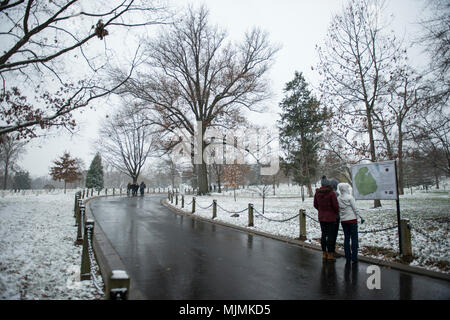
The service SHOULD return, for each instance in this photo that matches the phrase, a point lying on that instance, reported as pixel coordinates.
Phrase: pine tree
(22, 180)
(302, 119)
(66, 169)
(94, 177)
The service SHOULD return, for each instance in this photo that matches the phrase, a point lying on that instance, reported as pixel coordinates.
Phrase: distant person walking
(326, 203)
(142, 188)
(128, 188)
(135, 188)
(334, 184)
(348, 213)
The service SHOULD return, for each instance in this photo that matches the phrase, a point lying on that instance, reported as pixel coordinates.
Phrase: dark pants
(328, 239)
(142, 191)
(350, 234)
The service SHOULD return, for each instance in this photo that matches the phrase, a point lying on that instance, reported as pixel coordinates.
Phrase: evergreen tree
(94, 177)
(22, 180)
(301, 124)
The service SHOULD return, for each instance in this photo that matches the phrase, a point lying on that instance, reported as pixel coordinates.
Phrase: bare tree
(194, 76)
(407, 95)
(431, 134)
(37, 39)
(126, 142)
(355, 65)
(10, 150)
(436, 40)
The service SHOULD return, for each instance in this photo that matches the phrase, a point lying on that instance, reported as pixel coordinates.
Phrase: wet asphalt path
(175, 257)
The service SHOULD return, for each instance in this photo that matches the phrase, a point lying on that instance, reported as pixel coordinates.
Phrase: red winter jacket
(325, 201)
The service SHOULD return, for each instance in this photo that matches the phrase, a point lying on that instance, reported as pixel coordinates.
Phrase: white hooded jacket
(347, 204)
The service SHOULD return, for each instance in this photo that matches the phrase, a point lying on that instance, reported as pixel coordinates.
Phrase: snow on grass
(38, 258)
(428, 213)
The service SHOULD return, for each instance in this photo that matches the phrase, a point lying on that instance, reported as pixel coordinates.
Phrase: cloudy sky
(296, 25)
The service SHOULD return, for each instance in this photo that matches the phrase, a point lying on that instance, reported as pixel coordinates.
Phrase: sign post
(377, 181)
(398, 211)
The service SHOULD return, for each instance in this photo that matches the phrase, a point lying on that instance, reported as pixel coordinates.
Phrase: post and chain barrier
(118, 283)
(89, 262)
(302, 215)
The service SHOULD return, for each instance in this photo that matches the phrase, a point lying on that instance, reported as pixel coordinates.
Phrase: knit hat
(324, 181)
(333, 183)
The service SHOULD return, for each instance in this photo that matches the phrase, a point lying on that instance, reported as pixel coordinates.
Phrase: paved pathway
(175, 257)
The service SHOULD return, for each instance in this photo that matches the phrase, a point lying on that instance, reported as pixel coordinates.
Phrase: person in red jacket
(326, 202)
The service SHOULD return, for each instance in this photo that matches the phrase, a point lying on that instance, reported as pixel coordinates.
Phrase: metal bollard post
(302, 218)
(182, 201)
(250, 215)
(85, 272)
(214, 209)
(118, 285)
(406, 240)
(80, 203)
(82, 215)
(193, 205)
(75, 208)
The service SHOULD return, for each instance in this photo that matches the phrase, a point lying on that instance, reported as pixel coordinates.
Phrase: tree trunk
(436, 176)
(310, 192)
(5, 178)
(401, 183)
(376, 203)
(264, 198)
(202, 178)
(65, 184)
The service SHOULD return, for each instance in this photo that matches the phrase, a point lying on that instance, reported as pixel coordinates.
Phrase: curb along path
(388, 264)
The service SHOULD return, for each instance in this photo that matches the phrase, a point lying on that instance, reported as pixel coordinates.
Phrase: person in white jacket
(348, 213)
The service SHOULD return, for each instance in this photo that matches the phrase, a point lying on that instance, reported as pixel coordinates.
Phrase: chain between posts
(421, 232)
(227, 211)
(313, 219)
(204, 208)
(89, 229)
(276, 220)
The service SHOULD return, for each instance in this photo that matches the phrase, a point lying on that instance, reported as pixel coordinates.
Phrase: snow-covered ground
(428, 212)
(38, 258)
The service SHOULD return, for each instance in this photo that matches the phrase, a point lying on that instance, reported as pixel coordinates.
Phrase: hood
(344, 189)
(324, 189)
(345, 193)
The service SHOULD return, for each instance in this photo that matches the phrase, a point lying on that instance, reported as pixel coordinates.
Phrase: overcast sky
(296, 25)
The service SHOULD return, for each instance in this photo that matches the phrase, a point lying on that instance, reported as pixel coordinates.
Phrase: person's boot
(324, 255)
(330, 257)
